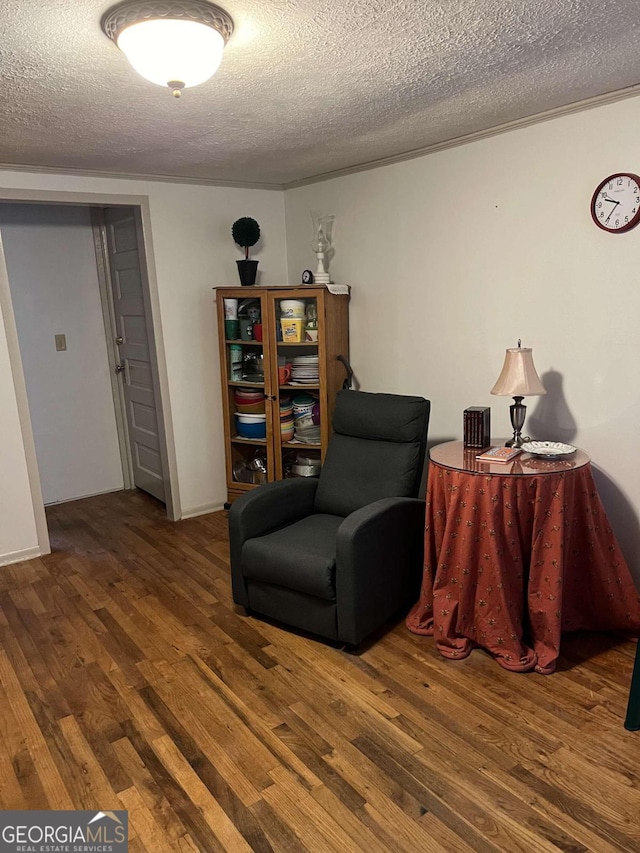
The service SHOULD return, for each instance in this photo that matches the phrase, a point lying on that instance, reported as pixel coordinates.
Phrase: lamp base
(518, 413)
(517, 441)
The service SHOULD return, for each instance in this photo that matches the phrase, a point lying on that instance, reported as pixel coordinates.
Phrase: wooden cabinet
(252, 365)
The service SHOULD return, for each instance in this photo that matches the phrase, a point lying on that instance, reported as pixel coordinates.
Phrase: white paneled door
(133, 345)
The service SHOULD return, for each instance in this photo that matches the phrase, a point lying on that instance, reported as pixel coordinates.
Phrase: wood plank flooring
(129, 681)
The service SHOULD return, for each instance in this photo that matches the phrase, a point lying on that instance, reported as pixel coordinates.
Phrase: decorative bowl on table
(548, 449)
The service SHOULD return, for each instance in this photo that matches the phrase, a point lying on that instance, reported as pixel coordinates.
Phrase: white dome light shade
(175, 43)
(169, 51)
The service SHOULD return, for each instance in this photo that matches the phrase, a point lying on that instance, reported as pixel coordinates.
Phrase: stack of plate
(286, 418)
(306, 418)
(305, 369)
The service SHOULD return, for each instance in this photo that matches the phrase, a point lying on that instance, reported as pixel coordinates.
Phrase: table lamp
(518, 379)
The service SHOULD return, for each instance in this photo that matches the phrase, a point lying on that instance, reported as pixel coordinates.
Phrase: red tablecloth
(512, 561)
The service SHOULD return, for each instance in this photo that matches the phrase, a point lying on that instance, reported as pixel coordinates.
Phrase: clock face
(307, 277)
(615, 206)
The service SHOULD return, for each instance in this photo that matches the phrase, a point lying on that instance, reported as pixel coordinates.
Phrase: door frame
(152, 304)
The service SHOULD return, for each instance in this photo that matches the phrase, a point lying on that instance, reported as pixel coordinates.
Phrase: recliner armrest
(266, 508)
(387, 534)
(379, 519)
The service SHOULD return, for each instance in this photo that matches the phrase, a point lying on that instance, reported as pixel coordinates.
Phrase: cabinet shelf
(301, 387)
(302, 445)
(333, 341)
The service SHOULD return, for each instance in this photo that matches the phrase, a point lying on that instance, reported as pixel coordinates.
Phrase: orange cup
(284, 374)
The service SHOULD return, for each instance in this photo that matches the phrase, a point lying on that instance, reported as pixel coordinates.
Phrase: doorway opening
(96, 386)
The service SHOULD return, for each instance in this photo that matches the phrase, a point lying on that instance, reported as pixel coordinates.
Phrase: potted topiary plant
(246, 233)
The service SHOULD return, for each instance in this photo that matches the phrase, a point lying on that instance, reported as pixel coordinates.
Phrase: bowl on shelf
(286, 427)
(250, 408)
(247, 393)
(251, 429)
(303, 422)
(251, 418)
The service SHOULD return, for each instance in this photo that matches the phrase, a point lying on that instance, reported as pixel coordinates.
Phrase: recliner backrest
(376, 450)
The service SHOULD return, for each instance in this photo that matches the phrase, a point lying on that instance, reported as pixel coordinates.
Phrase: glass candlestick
(322, 226)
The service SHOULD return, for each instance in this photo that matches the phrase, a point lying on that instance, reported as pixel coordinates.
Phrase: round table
(515, 554)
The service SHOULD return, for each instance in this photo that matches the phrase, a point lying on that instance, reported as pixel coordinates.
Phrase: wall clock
(615, 205)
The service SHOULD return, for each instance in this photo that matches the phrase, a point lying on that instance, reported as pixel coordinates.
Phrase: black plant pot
(247, 271)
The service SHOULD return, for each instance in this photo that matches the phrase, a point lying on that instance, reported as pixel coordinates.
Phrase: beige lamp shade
(519, 377)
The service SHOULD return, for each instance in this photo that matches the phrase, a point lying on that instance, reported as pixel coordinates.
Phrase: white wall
(18, 535)
(52, 271)
(193, 252)
(454, 256)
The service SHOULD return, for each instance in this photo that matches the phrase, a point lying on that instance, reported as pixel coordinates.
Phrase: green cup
(232, 330)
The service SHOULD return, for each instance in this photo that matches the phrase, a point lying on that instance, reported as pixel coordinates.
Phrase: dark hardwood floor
(129, 681)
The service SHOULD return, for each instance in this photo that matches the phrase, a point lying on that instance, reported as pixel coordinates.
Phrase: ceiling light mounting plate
(116, 19)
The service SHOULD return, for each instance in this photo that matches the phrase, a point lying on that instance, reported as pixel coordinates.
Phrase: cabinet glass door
(247, 412)
(298, 332)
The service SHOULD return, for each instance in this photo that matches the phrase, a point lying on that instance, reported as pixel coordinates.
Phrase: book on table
(498, 454)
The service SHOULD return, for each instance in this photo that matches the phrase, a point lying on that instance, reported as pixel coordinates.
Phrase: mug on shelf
(246, 329)
(257, 331)
(284, 374)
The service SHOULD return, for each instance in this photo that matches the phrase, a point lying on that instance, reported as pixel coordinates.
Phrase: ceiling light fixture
(172, 44)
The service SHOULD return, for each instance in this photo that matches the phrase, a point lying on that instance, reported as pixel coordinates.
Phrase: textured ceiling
(305, 88)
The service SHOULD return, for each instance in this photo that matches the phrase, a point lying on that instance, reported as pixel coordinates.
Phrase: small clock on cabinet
(615, 205)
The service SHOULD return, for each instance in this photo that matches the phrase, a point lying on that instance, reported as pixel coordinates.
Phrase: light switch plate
(61, 343)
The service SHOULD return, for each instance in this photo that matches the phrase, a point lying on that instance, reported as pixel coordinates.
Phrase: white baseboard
(193, 511)
(19, 556)
(82, 497)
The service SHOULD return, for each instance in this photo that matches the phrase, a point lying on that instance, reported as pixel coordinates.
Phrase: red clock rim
(633, 222)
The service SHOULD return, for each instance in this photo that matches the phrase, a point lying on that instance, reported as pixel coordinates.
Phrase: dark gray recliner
(338, 555)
